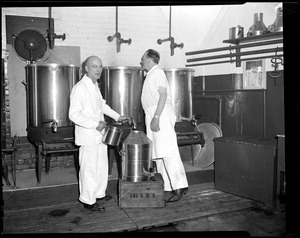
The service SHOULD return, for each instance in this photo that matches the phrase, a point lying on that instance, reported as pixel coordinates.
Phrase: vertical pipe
(116, 19)
(118, 38)
(264, 113)
(50, 30)
(242, 118)
(49, 16)
(170, 23)
(236, 114)
(219, 99)
(203, 85)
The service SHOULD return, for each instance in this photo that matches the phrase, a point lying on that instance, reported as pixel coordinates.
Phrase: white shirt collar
(154, 67)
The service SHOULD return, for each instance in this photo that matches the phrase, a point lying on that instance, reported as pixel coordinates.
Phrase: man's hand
(101, 126)
(124, 119)
(154, 124)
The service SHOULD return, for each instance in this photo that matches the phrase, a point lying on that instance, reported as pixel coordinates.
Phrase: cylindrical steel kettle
(136, 155)
(112, 135)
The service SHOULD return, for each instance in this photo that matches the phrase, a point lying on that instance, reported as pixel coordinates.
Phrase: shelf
(238, 56)
(267, 36)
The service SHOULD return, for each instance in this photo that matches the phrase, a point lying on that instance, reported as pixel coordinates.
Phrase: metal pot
(136, 157)
(112, 135)
(236, 32)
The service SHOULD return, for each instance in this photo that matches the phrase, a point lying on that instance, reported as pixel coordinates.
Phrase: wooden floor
(73, 218)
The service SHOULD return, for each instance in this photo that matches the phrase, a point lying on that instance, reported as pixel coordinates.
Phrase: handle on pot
(240, 32)
(132, 123)
(122, 152)
(104, 129)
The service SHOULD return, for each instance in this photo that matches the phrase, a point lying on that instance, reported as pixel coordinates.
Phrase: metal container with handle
(236, 32)
(136, 157)
(112, 135)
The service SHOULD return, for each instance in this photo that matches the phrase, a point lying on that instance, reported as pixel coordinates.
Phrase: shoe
(181, 191)
(94, 207)
(177, 194)
(106, 198)
(167, 195)
(174, 198)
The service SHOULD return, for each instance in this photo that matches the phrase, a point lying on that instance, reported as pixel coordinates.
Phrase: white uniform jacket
(87, 108)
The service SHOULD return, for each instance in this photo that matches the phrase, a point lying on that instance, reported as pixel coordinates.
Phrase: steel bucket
(112, 135)
(136, 157)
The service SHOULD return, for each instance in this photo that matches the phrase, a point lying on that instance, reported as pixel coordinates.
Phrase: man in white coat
(87, 109)
(160, 121)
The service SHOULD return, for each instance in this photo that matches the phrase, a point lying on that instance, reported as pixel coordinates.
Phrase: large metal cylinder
(136, 157)
(180, 81)
(48, 93)
(122, 87)
(48, 89)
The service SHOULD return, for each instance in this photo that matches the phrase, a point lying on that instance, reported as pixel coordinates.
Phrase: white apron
(165, 146)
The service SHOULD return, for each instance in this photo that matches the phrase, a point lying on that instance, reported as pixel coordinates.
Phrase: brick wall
(26, 156)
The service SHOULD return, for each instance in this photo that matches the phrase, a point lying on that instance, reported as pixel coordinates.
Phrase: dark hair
(154, 55)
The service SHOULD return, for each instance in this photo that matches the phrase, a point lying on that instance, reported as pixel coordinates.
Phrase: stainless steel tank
(180, 81)
(136, 157)
(122, 87)
(48, 89)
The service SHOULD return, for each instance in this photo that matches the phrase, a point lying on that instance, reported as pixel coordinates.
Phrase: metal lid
(50, 65)
(137, 138)
(122, 67)
(178, 69)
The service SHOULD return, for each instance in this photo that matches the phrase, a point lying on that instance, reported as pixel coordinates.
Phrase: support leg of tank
(40, 161)
(47, 158)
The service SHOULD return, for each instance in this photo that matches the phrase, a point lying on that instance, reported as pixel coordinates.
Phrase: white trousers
(164, 145)
(173, 173)
(93, 172)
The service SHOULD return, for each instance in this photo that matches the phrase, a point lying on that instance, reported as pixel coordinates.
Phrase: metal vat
(48, 89)
(122, 87)
(180, 81)
(136, 157)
